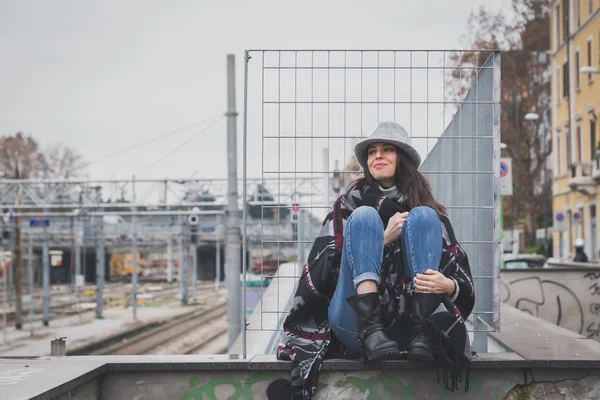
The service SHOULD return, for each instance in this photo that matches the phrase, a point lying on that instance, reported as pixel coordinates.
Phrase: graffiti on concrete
(372, 388)
(235, 389)
(593, 327)
(568, 299)
(546, 299)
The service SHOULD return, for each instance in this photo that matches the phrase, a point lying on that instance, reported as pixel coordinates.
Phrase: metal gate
(303, 112)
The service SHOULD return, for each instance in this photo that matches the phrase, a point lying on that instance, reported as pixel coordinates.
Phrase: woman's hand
(433, 282)
(394, 228)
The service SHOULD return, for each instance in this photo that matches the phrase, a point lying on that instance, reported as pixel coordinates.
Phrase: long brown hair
(410, 182)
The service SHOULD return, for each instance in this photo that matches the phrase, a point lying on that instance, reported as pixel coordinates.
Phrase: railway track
(64, 305)
(169, 338)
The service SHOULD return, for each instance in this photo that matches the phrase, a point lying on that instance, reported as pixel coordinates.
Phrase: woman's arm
(458, 270)
(455, 265)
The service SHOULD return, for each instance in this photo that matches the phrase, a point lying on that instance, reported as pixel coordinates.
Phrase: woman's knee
(365, 215)
(423, 215)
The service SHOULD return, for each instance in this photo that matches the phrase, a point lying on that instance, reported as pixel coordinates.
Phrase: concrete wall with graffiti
(569, 298)
(489, 384)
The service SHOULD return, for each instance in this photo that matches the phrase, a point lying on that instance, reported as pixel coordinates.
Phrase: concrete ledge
(54, 377)
(541, 354)
(483, 361)
(545, 345)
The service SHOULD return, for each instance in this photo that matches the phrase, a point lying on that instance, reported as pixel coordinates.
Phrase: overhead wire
(145, 142)
(206, 128)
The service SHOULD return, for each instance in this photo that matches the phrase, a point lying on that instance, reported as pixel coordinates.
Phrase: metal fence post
(30, 281)
(186, 274)
(134, 266)
(233, 248)
(181, 257)
(170, 261)
(100, 269)
(195, 271)
(218, 255)
(46, 277)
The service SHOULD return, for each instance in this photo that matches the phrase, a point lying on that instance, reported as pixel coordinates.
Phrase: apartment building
(575, 48)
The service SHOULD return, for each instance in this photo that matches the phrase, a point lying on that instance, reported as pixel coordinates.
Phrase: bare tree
(20, 157)
(62, 162)
(525, 84)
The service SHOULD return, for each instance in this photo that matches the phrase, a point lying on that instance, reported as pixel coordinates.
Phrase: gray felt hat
(387, 132)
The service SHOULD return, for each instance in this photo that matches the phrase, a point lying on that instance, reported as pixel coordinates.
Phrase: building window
(593, 144)
(590, 7)
(580, 227)
(557, 94)
(558, 154)
(557, 24)
(578, 12)
(577, 73)
(570, 239)
(565, 79)
(578, 142)
(589, 58)
(565, 19)
(568, 139)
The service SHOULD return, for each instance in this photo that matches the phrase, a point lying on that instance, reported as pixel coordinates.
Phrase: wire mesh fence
(305, 110)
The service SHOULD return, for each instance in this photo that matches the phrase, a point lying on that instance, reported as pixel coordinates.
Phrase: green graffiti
(243, 390)
(209, 389)
(385, 383)
(377, 388)
(358, 382)
(255, 379)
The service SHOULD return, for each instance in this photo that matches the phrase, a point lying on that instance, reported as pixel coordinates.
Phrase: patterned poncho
(308, 336)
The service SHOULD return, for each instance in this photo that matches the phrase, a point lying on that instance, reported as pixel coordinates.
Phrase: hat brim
(360, 151)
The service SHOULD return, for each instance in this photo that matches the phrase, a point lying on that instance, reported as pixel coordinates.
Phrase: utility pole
(218, 255)
(46, 277)
(30, 279)
(77, 234)
(233, 239)
(169, 260)
(134, 275)
(181, 258)
(18, 276)
(100, 269)
(18, 271)
(46, 264)
(185, 269)
(195, 271)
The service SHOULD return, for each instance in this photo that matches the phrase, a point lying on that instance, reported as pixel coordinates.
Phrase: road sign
(506, 183)
(34, 223)
(79, 280)
(577, 217)
(560, 222)
(207, 229)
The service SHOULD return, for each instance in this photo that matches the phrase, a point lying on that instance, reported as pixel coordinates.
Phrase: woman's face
(382, 163)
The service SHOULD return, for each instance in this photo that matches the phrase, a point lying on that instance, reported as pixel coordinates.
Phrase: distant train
(121, 265)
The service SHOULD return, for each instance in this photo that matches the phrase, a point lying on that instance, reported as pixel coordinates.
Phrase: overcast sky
(100, 76)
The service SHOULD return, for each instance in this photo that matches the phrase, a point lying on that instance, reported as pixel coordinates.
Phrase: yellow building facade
(575, 160)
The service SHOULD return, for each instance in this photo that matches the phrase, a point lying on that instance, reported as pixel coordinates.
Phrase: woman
(385, 274)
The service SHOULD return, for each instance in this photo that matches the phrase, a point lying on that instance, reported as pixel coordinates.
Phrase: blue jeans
(362, 255)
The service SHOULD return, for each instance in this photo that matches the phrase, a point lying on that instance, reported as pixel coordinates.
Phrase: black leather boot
(374, 342)
(422, 345)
